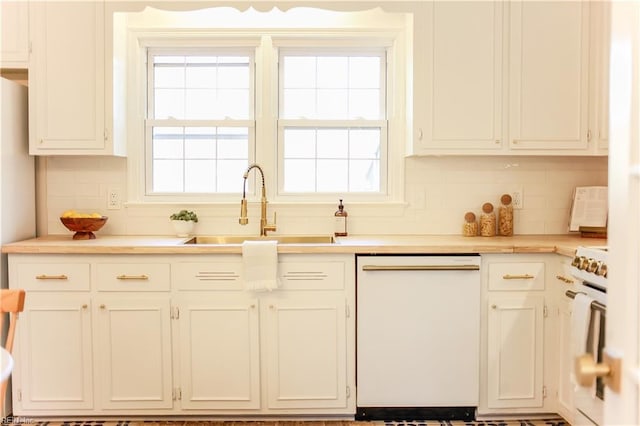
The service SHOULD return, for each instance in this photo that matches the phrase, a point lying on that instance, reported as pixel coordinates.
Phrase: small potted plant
(183, 222)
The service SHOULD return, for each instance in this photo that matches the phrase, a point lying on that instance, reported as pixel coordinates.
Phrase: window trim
(398, 102)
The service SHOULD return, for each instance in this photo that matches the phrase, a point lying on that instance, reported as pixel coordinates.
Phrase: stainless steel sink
(281, 239)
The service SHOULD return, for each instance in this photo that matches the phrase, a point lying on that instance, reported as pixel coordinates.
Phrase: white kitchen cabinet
(219, 351)
(463, 57)
(601, 29)
(291, 350)
(66, 79)
(133, 341)
(53, 353)
(14, 34)
(515, 351)
(306, 350)
(549, 75)
(53, 349)
(516, 372)
(510, 78)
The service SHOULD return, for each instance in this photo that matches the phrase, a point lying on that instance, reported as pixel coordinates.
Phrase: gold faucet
(264, 226)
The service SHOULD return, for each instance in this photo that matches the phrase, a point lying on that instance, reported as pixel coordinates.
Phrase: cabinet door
(601, 23)
(53, 354)
(134, 351)
(305, 339)
(515, 351)
(549, 79)
(219, 351)
(66, 78)
(565, 387)
(463, 93)
(14, 34)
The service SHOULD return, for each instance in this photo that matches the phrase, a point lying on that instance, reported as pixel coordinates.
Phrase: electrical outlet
(113, 199)
(517, 198)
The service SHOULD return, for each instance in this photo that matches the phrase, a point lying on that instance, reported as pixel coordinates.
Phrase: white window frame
(265, 150)
(329, 47)
(150, 123)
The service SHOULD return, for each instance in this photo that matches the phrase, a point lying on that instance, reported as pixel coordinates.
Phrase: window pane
(167, 175)
(299, 143)
(299, 103)
(200, 142)
(364, 72)
(364, 103)
(200, 176)
(300, 175)
(332, 103)
(202, 87)
(200, 104)
(204, 159)
(333, 72)
(299, 72)
(333, 175)
(233, 143)
(169, 103)
(230, 175)
(333, 143)
(364, 175)
(364, 143)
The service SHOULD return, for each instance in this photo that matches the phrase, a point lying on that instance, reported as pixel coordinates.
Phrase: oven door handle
(594, 305)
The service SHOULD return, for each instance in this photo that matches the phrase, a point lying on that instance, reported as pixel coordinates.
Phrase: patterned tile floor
(555, 421)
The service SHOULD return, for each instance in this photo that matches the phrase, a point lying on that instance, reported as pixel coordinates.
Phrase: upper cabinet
(67, 80)
(463, 66)
(549, 75)
(14, 34)
(510, 78)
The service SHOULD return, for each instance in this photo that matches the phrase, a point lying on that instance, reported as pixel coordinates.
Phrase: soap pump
(340, 226)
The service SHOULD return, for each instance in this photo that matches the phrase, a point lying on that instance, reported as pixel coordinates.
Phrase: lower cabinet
(287, 351)
(157, 335)
(516, 367)
(515, 351)
(53, 351)
(133, 342)
(219, 348)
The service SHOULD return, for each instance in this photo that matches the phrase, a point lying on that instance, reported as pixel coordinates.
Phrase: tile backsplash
(438, 192)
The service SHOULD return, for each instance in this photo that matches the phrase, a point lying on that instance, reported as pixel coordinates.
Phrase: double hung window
(199, 128)
(332, 120)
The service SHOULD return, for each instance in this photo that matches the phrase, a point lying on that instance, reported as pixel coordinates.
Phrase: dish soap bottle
(340, 227)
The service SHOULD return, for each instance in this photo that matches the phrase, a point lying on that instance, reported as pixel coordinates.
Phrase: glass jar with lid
(505, 216)
(487, 221)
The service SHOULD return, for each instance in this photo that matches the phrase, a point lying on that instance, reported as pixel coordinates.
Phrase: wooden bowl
(84, 227)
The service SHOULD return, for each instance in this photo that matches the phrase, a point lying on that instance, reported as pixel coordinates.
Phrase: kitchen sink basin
(281, 239)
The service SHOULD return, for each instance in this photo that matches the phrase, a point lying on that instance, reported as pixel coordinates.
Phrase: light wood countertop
(424, 244)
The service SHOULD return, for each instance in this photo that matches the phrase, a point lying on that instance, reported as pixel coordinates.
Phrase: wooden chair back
(11, 302)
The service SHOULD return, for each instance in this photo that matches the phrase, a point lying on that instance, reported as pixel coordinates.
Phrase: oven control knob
(576, 261)
(584, 262)
(602, 270)
(593, 266)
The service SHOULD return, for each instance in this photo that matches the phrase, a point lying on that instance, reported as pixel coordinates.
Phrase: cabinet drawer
(207, 276)
(53, 276)
(516, 276)
(133, 276)
(311, 275)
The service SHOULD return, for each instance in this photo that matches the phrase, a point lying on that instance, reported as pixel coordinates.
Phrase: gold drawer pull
(132, 277)
(518, 277)
(51, 277)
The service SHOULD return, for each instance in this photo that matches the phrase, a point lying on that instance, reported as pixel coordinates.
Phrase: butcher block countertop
(422, 244)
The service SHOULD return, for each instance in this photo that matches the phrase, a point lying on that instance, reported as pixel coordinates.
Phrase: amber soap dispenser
(340, 227)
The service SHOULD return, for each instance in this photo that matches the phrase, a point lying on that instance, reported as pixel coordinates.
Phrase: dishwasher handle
(420, 267)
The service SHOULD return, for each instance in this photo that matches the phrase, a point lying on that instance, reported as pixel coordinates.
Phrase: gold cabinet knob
(586, 370)
(102, 306)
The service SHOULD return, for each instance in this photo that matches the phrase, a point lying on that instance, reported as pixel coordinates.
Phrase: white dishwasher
(418, 337)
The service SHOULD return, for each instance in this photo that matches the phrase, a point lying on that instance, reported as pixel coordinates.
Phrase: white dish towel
(580, 321)
(260, 265)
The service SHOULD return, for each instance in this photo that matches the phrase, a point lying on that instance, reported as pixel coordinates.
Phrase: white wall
(438, 191)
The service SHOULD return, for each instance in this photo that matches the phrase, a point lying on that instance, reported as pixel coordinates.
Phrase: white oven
(589, 267)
